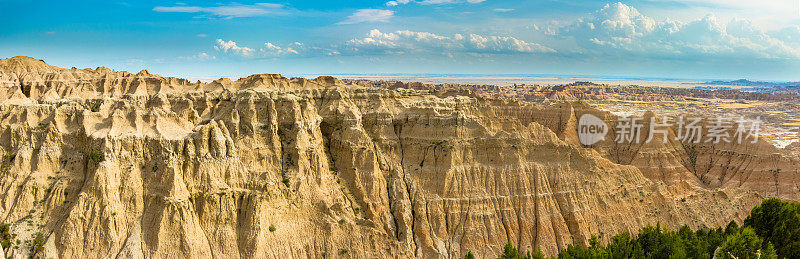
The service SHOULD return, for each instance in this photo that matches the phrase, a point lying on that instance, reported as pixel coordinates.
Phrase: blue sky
(713, 39)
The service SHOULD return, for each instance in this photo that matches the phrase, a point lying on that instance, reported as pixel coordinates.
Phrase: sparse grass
(38, 243)
(343, 251)
(96, 157)
(5, 236)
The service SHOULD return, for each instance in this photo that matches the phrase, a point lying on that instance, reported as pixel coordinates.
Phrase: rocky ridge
(100, 163)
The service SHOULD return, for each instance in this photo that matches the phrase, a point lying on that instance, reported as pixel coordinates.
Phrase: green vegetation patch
(5, 236)
(96, 157)
(771, 231)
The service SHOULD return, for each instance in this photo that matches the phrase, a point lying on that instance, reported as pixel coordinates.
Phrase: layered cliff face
(98, 163)
(760, 166)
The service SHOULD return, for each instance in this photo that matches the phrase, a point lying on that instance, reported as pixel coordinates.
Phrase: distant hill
(756, 86)
(745, 82)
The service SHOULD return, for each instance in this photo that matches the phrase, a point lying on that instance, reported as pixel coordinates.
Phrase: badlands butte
(98, 163)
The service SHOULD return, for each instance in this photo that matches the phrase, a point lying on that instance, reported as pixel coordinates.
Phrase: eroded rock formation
(759, 166)
(101, 164)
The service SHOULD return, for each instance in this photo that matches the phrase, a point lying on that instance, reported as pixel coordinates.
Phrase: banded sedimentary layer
(99, 163)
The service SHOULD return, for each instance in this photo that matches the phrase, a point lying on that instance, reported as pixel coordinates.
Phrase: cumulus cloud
(405, 41)
(273, 50)
(232, 48)
(268, 50)
(368, 15)
(226, 11)
(790, 35)
(621, 29)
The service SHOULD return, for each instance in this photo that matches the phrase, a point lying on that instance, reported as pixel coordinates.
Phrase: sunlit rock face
(99, 164)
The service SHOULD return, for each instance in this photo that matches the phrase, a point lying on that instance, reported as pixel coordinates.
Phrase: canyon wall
(98, 163)
(759, 166)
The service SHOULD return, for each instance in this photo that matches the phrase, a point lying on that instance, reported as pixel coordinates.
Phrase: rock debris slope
(98, 163)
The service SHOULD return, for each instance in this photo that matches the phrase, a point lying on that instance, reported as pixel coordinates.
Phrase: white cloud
(270, 5)
(267, 50)
(621, 29)
(503, 10)
(432, 2)
(231, 48)
(273, 50)
(398, 2)
(405, 41)
(790, 35)
(202, 56)
(227, 11)
(781, 9)
(178, 9)
(368, 15)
